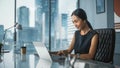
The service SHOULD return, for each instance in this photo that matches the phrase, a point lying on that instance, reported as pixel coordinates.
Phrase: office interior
(49, 21)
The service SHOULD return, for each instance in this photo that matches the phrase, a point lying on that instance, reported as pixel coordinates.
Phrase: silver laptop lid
(42, 51)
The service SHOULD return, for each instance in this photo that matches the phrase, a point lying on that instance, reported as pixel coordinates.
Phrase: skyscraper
(64, 24)
(39, 18)
(23, 16)
(1, 32)
(42, 20)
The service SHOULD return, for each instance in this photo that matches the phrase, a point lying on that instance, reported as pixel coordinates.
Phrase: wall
(86, 5)
(117, 20)
(117, 47)
(101, 20)
(97, 20)
(110, 13)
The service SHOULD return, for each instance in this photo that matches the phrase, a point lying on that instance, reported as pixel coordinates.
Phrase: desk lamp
(15, 26)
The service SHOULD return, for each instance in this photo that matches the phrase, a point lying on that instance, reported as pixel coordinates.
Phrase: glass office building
(1, 32)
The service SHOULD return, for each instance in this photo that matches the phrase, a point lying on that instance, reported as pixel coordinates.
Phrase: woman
(85, 39)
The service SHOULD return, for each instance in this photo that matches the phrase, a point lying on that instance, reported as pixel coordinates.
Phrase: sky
(6, 13)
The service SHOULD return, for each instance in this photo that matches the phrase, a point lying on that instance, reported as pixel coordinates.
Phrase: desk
(30, 60)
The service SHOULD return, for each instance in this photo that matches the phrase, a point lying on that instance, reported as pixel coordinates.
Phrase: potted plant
(1, 47)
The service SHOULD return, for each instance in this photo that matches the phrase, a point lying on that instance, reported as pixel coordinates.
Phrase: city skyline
(35, 19)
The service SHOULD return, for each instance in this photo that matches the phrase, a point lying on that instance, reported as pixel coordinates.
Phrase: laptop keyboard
(57, 58)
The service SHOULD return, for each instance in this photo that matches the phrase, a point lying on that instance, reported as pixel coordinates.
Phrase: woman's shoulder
(93, 32)
(77, 31)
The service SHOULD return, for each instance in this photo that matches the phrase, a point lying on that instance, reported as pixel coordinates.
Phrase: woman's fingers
(60, 52)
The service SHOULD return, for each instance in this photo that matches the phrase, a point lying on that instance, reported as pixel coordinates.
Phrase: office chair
(105, 48)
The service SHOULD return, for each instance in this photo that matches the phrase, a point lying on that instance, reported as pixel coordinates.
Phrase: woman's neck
(85, 30)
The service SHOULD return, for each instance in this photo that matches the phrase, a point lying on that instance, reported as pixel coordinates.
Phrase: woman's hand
(61, 52)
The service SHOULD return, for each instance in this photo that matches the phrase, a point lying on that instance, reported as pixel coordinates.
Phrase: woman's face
(79, 23)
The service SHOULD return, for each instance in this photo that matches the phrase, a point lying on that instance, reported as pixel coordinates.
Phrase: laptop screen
(42, 51)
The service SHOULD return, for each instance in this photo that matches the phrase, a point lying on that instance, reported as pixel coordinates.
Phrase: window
(47, 21)
(61, 25)
(6, 19)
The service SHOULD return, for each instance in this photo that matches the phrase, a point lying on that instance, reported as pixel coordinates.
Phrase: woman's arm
(69, 50)
(92, 49)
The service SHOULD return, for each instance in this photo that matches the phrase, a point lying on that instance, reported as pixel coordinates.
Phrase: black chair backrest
(105, 48)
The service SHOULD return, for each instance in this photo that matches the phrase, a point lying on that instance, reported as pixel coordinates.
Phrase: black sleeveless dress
(83, 42)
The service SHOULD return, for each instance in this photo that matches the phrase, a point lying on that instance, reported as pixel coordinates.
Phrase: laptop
(45, 59)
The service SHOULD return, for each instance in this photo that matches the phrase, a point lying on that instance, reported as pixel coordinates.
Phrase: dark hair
(81, 14)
